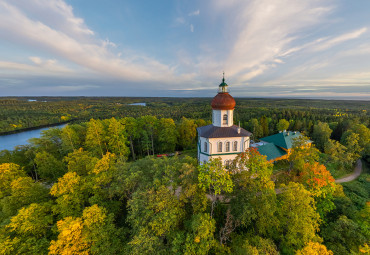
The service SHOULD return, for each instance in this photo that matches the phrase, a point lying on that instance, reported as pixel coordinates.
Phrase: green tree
(187, 131)
(8, 173)
(321, 134)
(255, 128)
(214, 179)
(93, 233)
(24, 191)
(253, 201)
(283, 124)
(95, 138)
(153, 215)
(265, 125)
(80, 161)
(71, 192)
(167, 135)
(28, 231)
(48, 167)
(297, 215)
(116, 138)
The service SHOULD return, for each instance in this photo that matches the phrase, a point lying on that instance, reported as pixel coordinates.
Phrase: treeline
(18, 113)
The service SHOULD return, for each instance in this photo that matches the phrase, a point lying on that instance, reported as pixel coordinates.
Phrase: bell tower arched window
(219, 147)
(225, 120)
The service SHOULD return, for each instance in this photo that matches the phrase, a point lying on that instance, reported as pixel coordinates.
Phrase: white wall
(217, 118)
(243, 144)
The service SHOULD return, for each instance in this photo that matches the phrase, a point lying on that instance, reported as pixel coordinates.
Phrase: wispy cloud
(191, 28)
(340, 39)
(194, 13)
(59, 32)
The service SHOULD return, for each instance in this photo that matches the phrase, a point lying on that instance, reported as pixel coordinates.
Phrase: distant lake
(8, 142)
(141, 104)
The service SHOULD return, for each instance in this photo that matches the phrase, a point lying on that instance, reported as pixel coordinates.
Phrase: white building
(222, 139)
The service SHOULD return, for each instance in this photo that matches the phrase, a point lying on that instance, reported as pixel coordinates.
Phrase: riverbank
(35, 128)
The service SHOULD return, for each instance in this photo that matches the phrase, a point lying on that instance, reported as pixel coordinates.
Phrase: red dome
(223, 101)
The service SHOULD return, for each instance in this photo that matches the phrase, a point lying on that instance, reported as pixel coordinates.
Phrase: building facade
(222, 139)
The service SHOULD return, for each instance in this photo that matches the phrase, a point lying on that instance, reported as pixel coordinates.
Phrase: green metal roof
(271, 151)
(283, 139)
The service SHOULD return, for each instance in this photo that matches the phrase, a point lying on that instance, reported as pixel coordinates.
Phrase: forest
(96, 186)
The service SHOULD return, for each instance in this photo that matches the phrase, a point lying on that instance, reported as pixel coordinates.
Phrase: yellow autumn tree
(314, 248)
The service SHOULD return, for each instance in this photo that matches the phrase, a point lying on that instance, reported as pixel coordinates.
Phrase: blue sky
(267, 48)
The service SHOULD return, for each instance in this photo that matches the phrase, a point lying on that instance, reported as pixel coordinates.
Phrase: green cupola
(222, 88)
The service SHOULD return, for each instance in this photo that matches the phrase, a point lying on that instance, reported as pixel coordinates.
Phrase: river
(8, 142)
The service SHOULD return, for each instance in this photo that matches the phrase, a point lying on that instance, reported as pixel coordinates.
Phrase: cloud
(60, 33)
(340, 39)
(191, 28)
(194, 13)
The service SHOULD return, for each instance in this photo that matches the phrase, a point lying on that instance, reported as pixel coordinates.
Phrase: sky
(180, 48)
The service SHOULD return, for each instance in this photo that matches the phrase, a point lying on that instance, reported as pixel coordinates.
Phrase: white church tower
(222, 139)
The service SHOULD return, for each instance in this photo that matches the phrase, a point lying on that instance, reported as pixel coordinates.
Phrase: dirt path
(356, 173)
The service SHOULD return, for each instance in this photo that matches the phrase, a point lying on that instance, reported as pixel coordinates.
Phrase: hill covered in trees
(95, 187)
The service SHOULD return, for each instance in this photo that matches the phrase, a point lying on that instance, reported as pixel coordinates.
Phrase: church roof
(283, 139)
(223, 101)
(211, 131)
(271, 151)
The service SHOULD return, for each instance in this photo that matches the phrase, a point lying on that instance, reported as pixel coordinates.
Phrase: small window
(219, 147)
(205, 147)
(225, 119)
(227, 146)
(235, 147)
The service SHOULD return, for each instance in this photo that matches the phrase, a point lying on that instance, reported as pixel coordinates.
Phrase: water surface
(8, 142)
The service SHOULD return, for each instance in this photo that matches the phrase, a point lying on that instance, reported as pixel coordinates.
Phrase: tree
(153, 215)
(187, 131)
(70, 139)
(80, 161)
(116, 138)
(93, 233)
(200, 238)
(321, 184)
(265, 125)
(353, 147)
(314, 248)
(343, 236)
(24, 191)
(302, 152)
(283, 124)
(298, 218)
(131, 128)
(255, 128)
(8, 173)
(338, 154)
(167, 135)
(253, 201)
(214, 179)
(71, 192)
(95, 136)
(28, 231)
(321, 134)
(48, 167)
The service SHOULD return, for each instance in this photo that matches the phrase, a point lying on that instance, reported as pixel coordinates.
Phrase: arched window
(205, 147)
(235, 147)
(219, 147)
(227, 146)
(225, 119)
